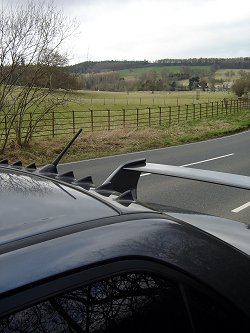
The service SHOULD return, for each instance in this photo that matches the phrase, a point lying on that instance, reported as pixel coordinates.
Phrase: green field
(100, 100)
(101, 111)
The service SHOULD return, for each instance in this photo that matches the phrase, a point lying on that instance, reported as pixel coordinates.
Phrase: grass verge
(108, 143)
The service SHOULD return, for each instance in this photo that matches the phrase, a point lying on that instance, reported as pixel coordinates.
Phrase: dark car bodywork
(57, 232)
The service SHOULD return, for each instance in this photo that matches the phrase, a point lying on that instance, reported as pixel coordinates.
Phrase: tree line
(102, 66)
(224, 63)
(115, 65)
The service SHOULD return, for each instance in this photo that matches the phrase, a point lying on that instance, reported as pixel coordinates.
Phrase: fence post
(53, 124)
(187, 112)
(217, 108)
(179, 110)
(73, 118)
(92, 120)
(123, 117)
(212, 109)
(226, 102)
(194, 112)
(200, 111)
(108, 120)
(149, 117)
(137, 118)
(169, 114)
(159, 115)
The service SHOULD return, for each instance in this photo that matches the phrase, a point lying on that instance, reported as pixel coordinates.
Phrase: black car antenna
(52, 167)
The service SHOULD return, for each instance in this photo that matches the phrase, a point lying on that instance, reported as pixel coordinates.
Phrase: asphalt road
(227, 154)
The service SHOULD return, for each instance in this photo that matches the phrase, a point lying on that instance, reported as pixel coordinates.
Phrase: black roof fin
(69, 176)
(105, 186)
(85, 182)
(17, 163)
(5, 161)
(31, 167)
(52, 168)
(126, 198)
(122, 180)
(105, 189)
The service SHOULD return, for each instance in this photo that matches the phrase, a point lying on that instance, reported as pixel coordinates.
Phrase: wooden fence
(68, 122)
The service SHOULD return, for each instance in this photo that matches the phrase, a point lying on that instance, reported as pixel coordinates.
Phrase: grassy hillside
(229, 74)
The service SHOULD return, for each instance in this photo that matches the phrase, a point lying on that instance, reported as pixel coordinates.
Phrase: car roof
(32, 204)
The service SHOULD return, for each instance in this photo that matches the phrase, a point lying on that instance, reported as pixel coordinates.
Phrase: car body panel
(232, 232)
(185, 248)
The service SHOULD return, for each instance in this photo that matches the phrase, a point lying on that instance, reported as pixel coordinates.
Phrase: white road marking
(210, 159)
(159, 149)
(238, 209)
(199, 162)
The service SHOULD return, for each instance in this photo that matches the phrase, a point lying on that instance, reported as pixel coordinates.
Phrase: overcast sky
(157, 29)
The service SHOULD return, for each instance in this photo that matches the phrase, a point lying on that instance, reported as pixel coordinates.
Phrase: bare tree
(31, 38)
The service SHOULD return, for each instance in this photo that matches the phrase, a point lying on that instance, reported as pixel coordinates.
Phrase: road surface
(227, 154)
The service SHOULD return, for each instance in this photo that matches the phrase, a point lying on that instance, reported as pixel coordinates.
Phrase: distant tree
(30, 39)
(147, 81)
(241, 86)
(173, 86)
(110, 81)
(203, 85)
(194, 83)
